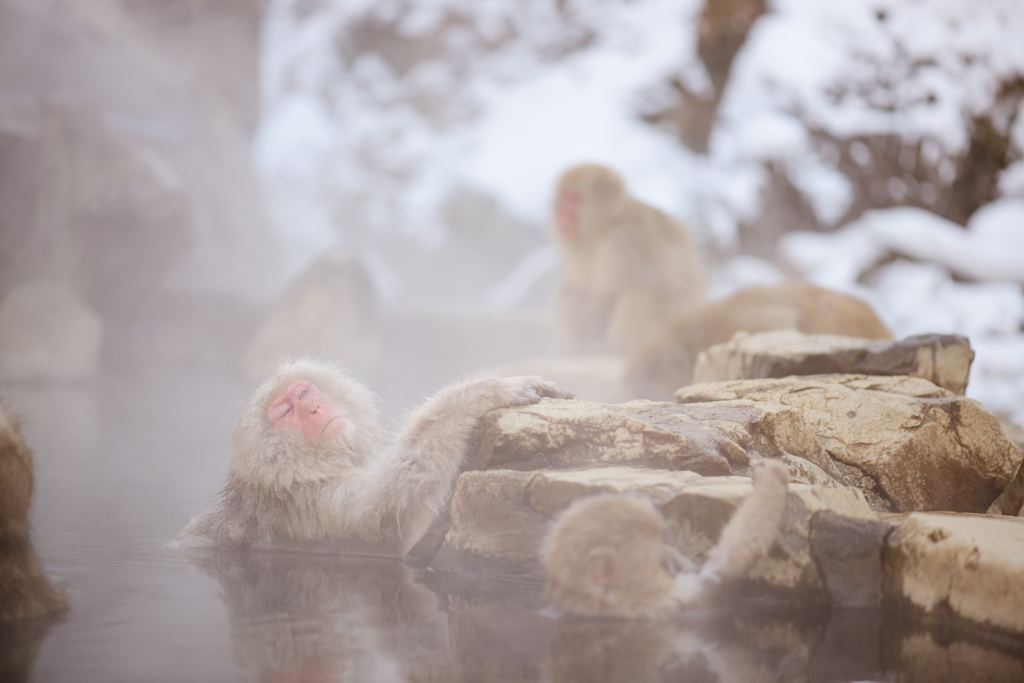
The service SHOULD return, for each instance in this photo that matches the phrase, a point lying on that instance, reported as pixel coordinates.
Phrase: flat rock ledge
(908, 444)
(711, 439)
(943, 359)
(948, 569)
(499, 519)
(959, 567)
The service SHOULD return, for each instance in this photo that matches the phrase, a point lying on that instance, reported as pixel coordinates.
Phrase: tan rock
(707, 439)
(943, 359)
(1011, 500)
(805, 472)
(499, 518)
(969, 565)
(908, 444)
(848, 552)
(1014, 433)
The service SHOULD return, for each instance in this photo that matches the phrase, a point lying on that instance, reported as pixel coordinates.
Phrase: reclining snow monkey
(309, 470)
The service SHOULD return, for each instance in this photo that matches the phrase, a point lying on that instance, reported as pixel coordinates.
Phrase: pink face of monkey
(569, 202)
(304, 407)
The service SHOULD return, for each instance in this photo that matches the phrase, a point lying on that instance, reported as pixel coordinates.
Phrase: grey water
(122, 463)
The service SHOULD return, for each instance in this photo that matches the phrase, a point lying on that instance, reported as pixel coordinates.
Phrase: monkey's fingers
(521, 391)
(545, 389)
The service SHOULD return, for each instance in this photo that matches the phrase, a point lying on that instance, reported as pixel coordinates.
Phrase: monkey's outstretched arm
(754, 527)
(415, 478)
(747, 536)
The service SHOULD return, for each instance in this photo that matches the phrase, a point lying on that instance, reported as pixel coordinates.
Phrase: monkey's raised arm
(415, 478)
(754, 527)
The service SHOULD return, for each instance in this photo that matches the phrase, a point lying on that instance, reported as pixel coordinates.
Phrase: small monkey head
(307, 422)
(588, 198)
(607, 556)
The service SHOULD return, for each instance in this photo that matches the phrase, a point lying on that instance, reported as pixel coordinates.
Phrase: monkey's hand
(523, 390)
(770, 475)
(754, 527)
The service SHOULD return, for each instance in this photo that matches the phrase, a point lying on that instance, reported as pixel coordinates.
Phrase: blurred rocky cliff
(125, 176)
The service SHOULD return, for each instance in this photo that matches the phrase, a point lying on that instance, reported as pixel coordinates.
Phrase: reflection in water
(926, 658)
(695, 648)
(299, 618)
(607, 650)
(311, 618)
(19, 645)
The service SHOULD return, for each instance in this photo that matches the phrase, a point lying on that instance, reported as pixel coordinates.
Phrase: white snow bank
(991, 248)
(918, 70)
(496, 115)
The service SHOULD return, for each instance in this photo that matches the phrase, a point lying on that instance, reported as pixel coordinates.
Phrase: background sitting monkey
(25, 592)
(625, 269)
(665, 363)
(607, 555)
(308, 470)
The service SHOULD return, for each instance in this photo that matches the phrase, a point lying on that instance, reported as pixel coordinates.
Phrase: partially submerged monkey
(25, 592)
(625, 267)
(607, 555)
(309, 470)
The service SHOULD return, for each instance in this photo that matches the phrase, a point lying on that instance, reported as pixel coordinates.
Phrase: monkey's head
(309, 421)
(607, 556)
(587, 200)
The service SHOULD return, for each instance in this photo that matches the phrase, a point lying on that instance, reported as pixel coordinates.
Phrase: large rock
(944, 359)
(959, 567)
(499, 519)
(46, 333)
(127, 176)
(707, 439)
(908, 444)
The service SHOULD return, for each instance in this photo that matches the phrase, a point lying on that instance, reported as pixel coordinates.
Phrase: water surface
(123, 463)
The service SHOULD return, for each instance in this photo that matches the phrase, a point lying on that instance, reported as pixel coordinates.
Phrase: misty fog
(193, 191)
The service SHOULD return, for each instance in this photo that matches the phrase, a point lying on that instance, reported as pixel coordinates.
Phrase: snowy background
(890, 133)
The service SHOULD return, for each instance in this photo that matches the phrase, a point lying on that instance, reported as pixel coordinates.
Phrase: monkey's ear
(604, 565)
